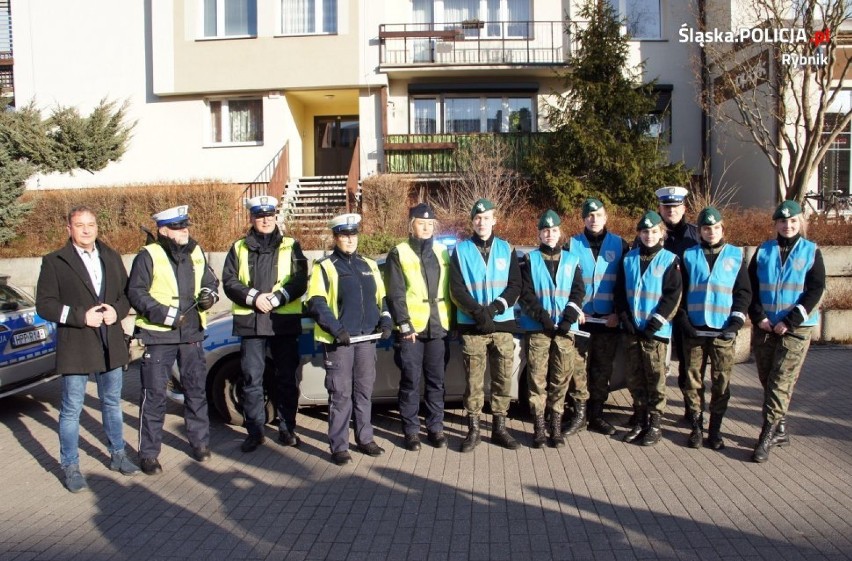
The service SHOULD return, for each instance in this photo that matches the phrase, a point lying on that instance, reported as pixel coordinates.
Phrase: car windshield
(11, 299)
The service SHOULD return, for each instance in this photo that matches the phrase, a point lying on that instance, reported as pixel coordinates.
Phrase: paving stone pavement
(597, 498)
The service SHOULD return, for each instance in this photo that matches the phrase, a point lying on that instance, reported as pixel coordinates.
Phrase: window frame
(439, 19)
(225, 122)
(221, 22)
(840, 148)
(621, 10)
(319, 12)
(484, 116)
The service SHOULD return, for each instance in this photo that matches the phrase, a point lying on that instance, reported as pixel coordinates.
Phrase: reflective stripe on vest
(416, 291)
(485, 282)
(553, 297)
(710, 294)
(782, 286)
(164, 286)
(285, 251)
(317, 287)
(598, 274)
(644, 290)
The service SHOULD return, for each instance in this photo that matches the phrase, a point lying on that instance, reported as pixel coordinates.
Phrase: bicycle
(829, 200)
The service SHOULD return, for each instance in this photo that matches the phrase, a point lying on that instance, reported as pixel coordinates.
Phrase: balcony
(437, 154)
(473, 43)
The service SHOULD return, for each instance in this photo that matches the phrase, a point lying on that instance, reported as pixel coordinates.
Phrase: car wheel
(226, 392)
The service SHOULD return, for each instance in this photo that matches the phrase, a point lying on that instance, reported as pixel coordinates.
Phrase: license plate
(29, 337)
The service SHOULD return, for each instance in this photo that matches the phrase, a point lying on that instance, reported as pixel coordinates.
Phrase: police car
(224, 376)
(27, 342)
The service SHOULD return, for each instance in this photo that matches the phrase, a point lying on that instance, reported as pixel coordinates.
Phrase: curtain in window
(329, 16)
(643, 19)
(518, 11)
(460, 10)
(425, 116)
(246, 120)
(462, 115)
(216, 121)
(494, 114)
(240, 17)
(298, 17)
(210, 29)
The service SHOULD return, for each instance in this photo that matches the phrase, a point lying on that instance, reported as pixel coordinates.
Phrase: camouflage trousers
(721, 359)
(599, 363)
(779, 362)
(557, 356)
(476, 351)
(645, 361)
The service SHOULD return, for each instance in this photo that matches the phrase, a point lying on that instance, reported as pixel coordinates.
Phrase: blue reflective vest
(644, 290)
(485, 282)
(552, 297)
(782, 286)
(710, 294)
(598, 274)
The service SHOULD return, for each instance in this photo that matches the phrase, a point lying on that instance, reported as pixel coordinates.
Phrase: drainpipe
(706, 164)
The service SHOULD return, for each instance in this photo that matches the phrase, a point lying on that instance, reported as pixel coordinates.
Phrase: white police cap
(345, 223)
(262, 204)
(671, 195)
(175, 216)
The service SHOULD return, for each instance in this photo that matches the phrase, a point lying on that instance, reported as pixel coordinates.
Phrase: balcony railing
(437, 154)
(473, 42)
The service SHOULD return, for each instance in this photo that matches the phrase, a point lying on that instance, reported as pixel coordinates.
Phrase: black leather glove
(565, 328)
(734, 324)
(495, 308)
(794, 319)
(651, 327)
(386, 333)
(728, 335)
(206, 298)
(343, 338)
(547, 324)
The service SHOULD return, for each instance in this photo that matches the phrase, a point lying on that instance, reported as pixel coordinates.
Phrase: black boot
(539, 431)
(500, 436)
(764, 443)
(473, 437)
(714, 436)
(654, 433)
(596, 421)
(556, 439)
(578, 420)
(637, 430)
(782, 437)
(695, 437)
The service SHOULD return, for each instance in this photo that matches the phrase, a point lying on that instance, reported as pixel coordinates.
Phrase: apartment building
(281, 90)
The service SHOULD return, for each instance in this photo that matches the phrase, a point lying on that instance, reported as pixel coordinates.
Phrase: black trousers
(285, 387)
(424, 359)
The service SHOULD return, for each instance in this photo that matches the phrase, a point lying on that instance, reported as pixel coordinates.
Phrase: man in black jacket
(171, 287)
(81, 288)
(265, 276)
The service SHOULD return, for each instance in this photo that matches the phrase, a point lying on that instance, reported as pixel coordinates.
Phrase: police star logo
(785, 212)
(672, 191)
(182, 210)
(426, 214)
(729, 264)
(798, 264)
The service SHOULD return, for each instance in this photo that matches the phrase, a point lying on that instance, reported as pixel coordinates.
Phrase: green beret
(709, 216)
(548, 220)
(480, 206)
(591, 205)
(649, 220)
(786, 210)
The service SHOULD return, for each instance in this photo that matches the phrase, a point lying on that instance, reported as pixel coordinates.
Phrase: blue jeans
(73, 393)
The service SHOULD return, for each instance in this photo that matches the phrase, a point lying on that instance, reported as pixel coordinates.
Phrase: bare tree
(483, 173)
(778, 78)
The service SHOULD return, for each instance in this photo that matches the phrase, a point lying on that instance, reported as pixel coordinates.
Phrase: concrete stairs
(310, 202)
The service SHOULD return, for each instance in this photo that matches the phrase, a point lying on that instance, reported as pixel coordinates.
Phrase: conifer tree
(599, 144)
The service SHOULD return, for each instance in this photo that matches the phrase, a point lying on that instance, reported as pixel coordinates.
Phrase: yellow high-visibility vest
(164, 286)
(317, 287)
(285, 251)
(417, 293)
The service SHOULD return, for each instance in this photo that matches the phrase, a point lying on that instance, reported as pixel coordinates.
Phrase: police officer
(346, 298)
(418, 295)
(787, 281)
(680, 235)
(647, 293)
(600, 253)
(485, 283)
(552, 294)
(265, 276)
(170, 287)
(716, 297)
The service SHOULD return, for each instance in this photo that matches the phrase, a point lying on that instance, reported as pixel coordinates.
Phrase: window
(236, 121)
(308, 17)
(834, 171)
(659, 121)
(509, 18)
(230, 18)
(468, 114)
(643, 18)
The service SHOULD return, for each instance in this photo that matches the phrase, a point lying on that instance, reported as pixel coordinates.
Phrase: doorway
(334, 144)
